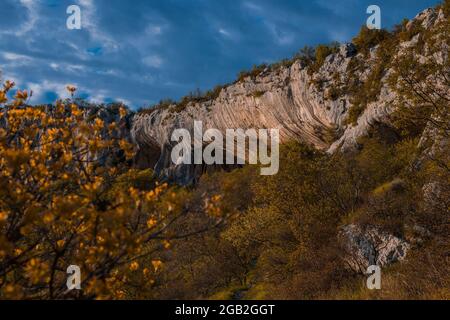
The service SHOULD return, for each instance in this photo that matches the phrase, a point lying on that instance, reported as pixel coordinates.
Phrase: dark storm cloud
(142, 51)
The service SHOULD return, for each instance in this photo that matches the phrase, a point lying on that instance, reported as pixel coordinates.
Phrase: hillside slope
(309, 106)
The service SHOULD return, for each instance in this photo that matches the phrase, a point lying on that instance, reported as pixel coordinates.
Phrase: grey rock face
(366, 247)
(284, 99)
(348, 50)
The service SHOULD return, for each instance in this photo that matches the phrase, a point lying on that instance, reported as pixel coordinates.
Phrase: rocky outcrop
(287, 99)
(370, 246)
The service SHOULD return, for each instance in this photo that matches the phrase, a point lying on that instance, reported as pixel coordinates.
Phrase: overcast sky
(139, 52)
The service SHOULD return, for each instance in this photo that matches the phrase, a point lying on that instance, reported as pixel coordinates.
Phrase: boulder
(370, 246)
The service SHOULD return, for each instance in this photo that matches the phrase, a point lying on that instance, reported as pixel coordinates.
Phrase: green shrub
(253, 73)
(306, 56)
(406, 34)
(369, 38)
(258, 94)
(321, 53)
(363, 93)
(446, 8)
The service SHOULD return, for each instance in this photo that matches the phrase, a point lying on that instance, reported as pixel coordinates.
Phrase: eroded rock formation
(369, 246)
(286, 98)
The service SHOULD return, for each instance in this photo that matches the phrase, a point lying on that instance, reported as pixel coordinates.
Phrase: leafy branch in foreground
(60, 205)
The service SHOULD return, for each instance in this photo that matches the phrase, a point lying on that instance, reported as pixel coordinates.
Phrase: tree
(422, 83)
(369, 38)
(56, 206)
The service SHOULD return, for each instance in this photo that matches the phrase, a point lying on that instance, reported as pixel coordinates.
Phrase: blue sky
(141, 51)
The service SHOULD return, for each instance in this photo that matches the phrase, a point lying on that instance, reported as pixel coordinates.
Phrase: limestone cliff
(287, 98)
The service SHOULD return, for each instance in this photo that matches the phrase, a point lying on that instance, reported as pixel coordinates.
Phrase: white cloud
(12, 77)
(285, 39)
(13, 60)
(11, 56)
(253, 7)
(224, 32)
(89, 22)
(108, 72)
(153, 30)
(75, 68)
(32, 17)
(98, 98)
(39, 89)
(280, 36)
(154, 61)
(124, 101)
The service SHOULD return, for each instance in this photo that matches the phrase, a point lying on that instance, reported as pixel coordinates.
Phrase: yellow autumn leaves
(8, 85)
(156, 264)
(71, 89)
(59, 204)
(3, 98)
(3, 216)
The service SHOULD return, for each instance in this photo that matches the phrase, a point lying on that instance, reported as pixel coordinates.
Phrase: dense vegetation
(281, 241)
(381, 48)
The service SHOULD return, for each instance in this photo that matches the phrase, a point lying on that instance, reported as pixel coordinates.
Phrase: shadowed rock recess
(290, 98)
